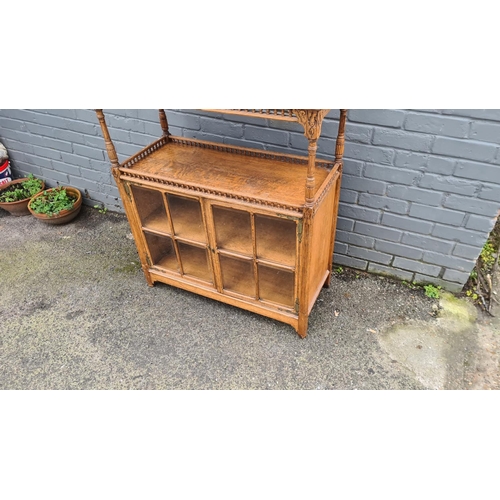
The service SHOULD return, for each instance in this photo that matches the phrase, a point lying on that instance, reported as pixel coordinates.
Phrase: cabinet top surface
(235, 173)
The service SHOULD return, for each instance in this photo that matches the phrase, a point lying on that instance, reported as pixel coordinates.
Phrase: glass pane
(151, 210)
(186, 218)
(194, 261)
(162, 251)
(233, 230)
(275, 239)
(276, 285)
(237, 275)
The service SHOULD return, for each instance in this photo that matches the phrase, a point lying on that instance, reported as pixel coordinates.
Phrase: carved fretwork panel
(311, 120)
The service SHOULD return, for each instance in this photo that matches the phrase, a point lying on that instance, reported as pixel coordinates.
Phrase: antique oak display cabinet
(251, 228)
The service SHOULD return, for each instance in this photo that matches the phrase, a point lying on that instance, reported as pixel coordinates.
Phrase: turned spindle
(339, 147)
(110, 148)
(164, 122)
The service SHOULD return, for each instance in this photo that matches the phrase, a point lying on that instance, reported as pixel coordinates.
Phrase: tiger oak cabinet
(251, 228)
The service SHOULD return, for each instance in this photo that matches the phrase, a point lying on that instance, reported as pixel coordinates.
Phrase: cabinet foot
(302, 326)
(326, 284)
(149, 280)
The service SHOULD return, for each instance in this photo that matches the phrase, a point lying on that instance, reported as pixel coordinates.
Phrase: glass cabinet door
(257, 255)
(174, 232)
(190, 236)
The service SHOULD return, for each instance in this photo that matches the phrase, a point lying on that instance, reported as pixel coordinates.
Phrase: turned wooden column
(311, 120)
(110, 148)
(164, 123)
(310, 180)
(339, 147)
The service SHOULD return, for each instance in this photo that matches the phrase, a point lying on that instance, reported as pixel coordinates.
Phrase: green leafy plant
(12, 194)
(411, 286)
(52, 202)
(339, 270)
(479, 286)
(25, 189)
(432, 291)
(32, 185)
(487, 255)
(102, 209)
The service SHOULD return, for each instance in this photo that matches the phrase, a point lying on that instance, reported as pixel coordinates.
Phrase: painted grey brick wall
(420, 191)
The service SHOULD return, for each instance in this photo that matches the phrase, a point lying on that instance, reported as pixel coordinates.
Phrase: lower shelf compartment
(276, 239)
(233, 230)
(186, 217)
(195, 262)
(151, 209)
(162, 251)
(237, 275)
(276, 285)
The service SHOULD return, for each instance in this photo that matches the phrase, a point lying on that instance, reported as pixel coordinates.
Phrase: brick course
(420, 191)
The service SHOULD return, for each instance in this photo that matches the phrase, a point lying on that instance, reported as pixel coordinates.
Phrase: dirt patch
(483, 290)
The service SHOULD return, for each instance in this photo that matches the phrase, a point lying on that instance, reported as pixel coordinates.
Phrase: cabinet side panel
(320, 259)
(135, 224)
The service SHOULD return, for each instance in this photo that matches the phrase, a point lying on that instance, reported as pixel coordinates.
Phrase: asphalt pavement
(76, 313)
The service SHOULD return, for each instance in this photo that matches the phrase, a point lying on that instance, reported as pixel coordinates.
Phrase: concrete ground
(76, 313)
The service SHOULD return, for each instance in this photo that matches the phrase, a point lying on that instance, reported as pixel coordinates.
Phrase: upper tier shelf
(289, 115)
(238, 172)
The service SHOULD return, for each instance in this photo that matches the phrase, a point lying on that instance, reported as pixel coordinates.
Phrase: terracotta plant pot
(63, 216)
(17, 207)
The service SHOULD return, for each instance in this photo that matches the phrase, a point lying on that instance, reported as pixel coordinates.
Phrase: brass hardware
(299, 229)
(127, 190)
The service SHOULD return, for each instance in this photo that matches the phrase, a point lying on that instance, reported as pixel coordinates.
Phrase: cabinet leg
(147, 275)
(302, 327)
(326, 284)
